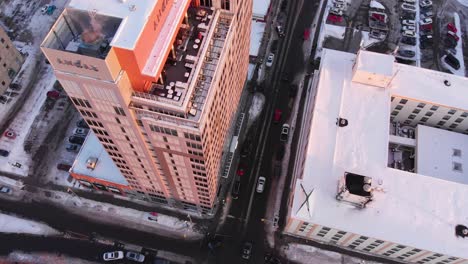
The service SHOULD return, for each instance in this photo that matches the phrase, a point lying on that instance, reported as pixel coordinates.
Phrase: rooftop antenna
(306, 201)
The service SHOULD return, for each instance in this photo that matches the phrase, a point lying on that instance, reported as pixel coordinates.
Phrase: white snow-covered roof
(105, 167)
(260, 8)
(256, 34)
(435, 154)
(375, 4)
(134, 13)
(408, 208)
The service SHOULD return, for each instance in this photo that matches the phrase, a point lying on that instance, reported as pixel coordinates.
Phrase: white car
(44, 9)
(115, 255)
(425, 3)
(261, 184)
(270, 59)
(408, 7)
(284, 132)
(409, 33)
(408, 22)
(338, 6)
(336, 11)
(410, 1)
(137, 257)
(280, 31)
(408, 28)
(425, 21)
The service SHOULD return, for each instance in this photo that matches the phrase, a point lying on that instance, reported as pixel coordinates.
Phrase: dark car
(406, 53)
(53, 94)
(4, 153)
(64, 167)
(15, 86)
(450, 43)
(247, 250)
(72, 147)
(82, 124)
(408, 15)
(274, 46)
(425, 45)
(409, 41)
(452, 61)
(76, 140)
(246, 148)
(236, 190)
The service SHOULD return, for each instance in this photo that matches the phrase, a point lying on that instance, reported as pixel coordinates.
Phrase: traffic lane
(255, 230)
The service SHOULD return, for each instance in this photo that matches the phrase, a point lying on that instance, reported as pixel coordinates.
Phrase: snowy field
(12, 224)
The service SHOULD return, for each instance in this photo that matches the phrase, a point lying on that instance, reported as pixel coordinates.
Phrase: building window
(456, 152)
(424, 119)
(434, 108)
(452, 111)
(421, 105)
(441, 123)
(225, 4)
(403, 101)
(399, 107)
(446, 117)
(416, 111)
(411, 116)
(459, 120)
(429, 113)
(119, 110)
(457, 167)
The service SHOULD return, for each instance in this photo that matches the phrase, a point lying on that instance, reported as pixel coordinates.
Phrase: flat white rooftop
(410, 209)
(105, 168)
(134, 14)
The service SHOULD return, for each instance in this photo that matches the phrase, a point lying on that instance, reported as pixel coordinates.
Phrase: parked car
(247, 250)
(80, 131)
(452, 61)
(406, 53)
(72, 147)
(277, 115)
(137, 257)
(76, 140)
(408, 7)
(408, 22)
(306, 35)
(427, 57)
(426, 14)
(427, 38)
(450, 43)
(425, 28)
(453, 35)
(270, 59)
(115, 255)
(425, 3)
(408, 41)
(82, 124)
(409, 33)
(274, 46)
(5, 190)
(240, 170)
(261, 184)
(4, 153)
(425, 21)
(284, 132)
(452, 27)
(408, 15)
(280, 31)
(63, 167)
(408, 28)
(236, 190)
(336, 11)
(53, 94)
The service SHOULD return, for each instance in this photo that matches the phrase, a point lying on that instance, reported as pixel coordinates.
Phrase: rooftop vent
(91, 163)
(461, 231)
(355, 189)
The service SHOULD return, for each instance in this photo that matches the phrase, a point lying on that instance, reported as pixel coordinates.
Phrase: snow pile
(41, 258)
(308, 254)
(375, 4)
(256, 35)
(260, 9)
(12, 224)
(258, 101)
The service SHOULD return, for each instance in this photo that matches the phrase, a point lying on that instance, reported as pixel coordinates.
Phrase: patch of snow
(366, 40)
(250, 71)
(41, 258)
(260, 9)
(463, 2)
(256, 35)
(334, 31)
(375, 4)
(258, 101)
(13, 224)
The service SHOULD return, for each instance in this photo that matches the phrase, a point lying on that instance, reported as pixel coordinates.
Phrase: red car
(334, 18)
(451, 27)
(453, 35)
(53, 94)
(277, 115)
(240, 171)
(306, 34)
(427, 27)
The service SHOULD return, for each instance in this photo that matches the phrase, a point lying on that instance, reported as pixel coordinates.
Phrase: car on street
(76, 140)
(82, 124)
(408, 7)
(80, 131)
(452, 27)
(137, 257)
(247, 250)
(240, 170)
(450, 34)
(246, 148)
(63, 167)
(450, 43)
(426, 14)
(277, 115)
(408, 28)
(115, 255)
(425, 21)
(270, 59)
(408, 22)
(53, 94)
(274, 46)
(236, 190)
(452, 61)
(261, 184)
(72, 147)
(406, 53)
(4, 153)
(409, 33)
(408, 41)
(427, 38)
(280, 31)
(425, 3)
(5, 190)
(408, 15)
(284, 132)
(306, 35)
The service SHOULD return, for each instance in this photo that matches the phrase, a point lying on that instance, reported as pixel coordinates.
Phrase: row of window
(164, 130)
(88, 114)
(81, 102)
(193, 145)
(192, 136)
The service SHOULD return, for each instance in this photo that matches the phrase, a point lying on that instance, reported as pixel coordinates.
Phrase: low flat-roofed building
(94, 168)
(380, 163)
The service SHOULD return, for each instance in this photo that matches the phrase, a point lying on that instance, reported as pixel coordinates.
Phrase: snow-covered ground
(463, 2)
(307, 254)
(258, 102)
(108, 213)
(256, 36)
(458, 48)
(18, 161)
(41, 258)
(13, 224)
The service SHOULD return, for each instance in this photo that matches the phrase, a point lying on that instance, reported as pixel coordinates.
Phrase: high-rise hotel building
(159, 83)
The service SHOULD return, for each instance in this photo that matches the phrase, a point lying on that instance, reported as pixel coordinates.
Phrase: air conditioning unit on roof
(91, 163)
